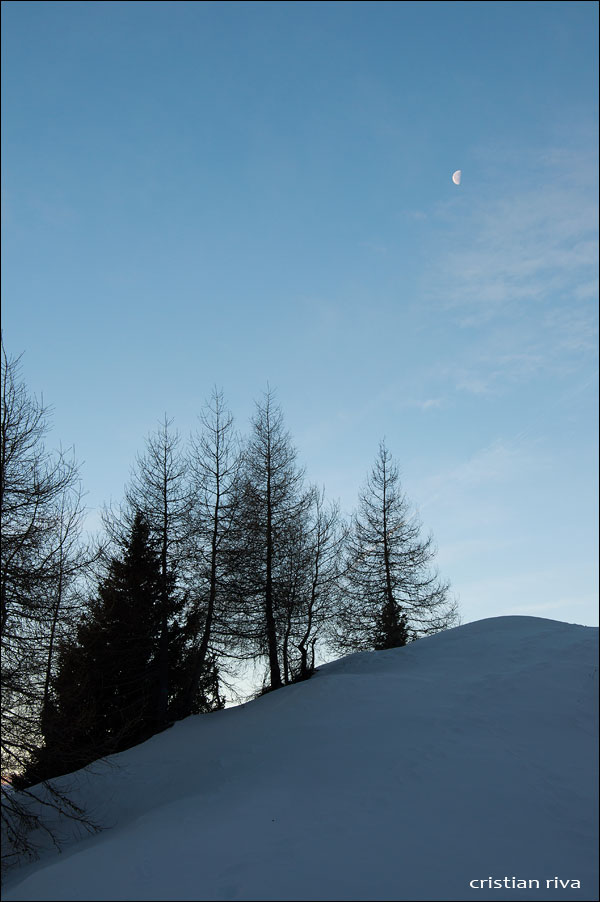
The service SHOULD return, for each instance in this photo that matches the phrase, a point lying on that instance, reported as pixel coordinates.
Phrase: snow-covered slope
(403, 774)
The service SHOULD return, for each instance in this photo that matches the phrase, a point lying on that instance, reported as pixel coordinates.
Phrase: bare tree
(272, 504)
(391, 591)
(40, 507)
(41, 512)
(215, 463)
(309, 593)
(324, 546)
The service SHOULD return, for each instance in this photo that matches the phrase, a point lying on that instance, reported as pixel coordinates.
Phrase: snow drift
(416, 773)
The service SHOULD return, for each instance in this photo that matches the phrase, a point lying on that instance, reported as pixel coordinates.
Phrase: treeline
(220, 553)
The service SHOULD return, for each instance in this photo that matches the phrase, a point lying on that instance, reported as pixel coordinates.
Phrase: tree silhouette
(391, 591)
(104, 696)
(271, 512)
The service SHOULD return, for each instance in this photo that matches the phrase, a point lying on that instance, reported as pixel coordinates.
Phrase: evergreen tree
(104, 696)
(391, 628)
(391, 591)
(165, 487)
(159, 487)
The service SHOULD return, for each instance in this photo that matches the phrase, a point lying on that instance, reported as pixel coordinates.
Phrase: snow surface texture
(391, 775)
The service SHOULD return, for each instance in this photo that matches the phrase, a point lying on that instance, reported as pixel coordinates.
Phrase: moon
(456, 176)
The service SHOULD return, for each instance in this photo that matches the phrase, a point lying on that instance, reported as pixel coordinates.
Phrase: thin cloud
(501, 461)
(426, 404)
(498, 462)
(538, 242)
(517, 270)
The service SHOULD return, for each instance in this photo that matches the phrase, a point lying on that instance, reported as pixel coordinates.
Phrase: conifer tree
(40, 512)
(214, 467)
(272, 507)
(159, 487)
(41, 560)
(311, 599)
(391, 628)
(391, 591)
(104, 696)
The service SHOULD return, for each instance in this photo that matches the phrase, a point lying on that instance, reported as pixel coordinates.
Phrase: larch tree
(326, 543)
(310, 604)
(391, 590)
(215, 466)
(40, 560)
(272, 507)
(37, 487)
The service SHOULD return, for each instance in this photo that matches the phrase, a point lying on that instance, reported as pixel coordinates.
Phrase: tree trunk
(269, 618)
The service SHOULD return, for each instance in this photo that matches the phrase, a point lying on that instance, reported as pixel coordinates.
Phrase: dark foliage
(391, 628)
(104, 695)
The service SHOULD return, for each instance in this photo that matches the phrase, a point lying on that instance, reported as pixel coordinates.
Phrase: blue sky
(242, 193)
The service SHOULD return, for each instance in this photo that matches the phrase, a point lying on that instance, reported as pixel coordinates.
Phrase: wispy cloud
(415, 215)
(500, 462)
(541, 234)
(424, 404)
(518, 267)
(489, 367)
(495, 463)
(537, 241)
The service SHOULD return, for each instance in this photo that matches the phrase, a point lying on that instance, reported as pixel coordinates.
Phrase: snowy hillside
(415, 773)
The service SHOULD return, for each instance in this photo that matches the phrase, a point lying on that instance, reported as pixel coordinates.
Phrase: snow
(400, 774)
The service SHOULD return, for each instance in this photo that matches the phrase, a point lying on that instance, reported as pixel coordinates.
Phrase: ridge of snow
(399, 774)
